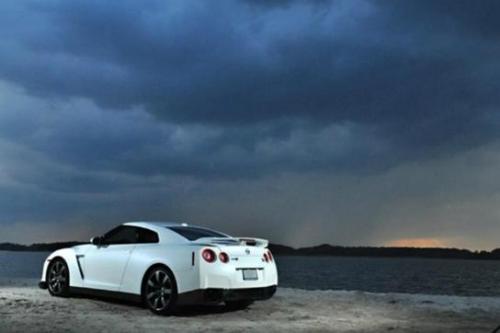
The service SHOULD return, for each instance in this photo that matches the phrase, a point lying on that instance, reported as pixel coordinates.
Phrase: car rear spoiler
(249, 241)
(259, 242)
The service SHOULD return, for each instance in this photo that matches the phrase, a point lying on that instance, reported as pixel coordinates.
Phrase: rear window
(193, 233)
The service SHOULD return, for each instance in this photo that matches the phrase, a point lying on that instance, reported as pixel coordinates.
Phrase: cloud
(79, 134)
(427, 83)
(341, 61)
(176, 108)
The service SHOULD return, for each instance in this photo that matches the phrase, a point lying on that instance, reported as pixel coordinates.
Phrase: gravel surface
(29, 309)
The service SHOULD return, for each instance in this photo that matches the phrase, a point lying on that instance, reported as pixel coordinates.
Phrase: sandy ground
(29, 309)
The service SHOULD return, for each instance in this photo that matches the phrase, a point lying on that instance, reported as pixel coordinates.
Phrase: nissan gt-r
(164, 265)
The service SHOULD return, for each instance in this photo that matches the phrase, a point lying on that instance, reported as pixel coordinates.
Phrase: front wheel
(58, 278)
(160, 291)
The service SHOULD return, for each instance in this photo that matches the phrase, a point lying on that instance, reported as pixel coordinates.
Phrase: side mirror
(96, 240)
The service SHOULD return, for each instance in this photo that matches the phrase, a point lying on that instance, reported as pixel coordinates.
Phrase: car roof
(155, 224)
(161, 228)
(161, 225)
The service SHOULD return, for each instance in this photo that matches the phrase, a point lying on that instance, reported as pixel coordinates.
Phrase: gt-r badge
(247, 251)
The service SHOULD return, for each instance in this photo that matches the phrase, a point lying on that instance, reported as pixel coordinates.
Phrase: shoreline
(11, 282)
(23, 308)
(487, 256)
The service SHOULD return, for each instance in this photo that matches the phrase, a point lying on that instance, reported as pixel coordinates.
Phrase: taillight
(223, 257)
(208, 255)
(267, 256)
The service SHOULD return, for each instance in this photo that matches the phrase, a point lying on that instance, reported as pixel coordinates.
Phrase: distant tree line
(367, 251)
(48, 247)
(320, 250)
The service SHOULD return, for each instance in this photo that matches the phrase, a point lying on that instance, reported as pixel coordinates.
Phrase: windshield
(194, 233)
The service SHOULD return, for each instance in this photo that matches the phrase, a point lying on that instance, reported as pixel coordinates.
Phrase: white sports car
(164, 265)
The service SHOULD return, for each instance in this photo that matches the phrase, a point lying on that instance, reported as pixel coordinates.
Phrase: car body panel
(104, 266)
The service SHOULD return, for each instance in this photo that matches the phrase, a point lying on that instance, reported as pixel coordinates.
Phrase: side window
(121, 235)
(147, 236)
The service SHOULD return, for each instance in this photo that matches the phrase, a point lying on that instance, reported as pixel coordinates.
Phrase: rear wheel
(160, 291)
(58, 278)
(238, 305)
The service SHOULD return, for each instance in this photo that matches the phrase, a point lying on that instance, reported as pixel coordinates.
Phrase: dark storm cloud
(80, 135)
(376, 62)
(468, 18)
(424, 73)
(139, 102)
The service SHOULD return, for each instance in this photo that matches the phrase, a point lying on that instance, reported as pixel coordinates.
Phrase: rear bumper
(42, 285)
(217, 295)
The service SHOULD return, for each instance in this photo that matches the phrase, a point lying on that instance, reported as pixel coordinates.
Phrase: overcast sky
(305, 122)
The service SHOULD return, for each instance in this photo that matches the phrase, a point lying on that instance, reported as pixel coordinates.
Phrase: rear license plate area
(249, 274)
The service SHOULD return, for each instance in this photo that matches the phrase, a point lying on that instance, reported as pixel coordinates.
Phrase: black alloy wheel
(160, 291)
(58, 278)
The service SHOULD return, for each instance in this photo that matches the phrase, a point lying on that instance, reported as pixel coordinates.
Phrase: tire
(58, 278)
(160, 291)
(238, 305)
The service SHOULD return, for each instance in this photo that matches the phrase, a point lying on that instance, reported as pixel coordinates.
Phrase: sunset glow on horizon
(417, 242)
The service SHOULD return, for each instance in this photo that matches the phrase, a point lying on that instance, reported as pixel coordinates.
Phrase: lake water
(405, 275)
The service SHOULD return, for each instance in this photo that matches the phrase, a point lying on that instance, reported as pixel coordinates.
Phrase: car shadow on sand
(181, 311)
(202, 310)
